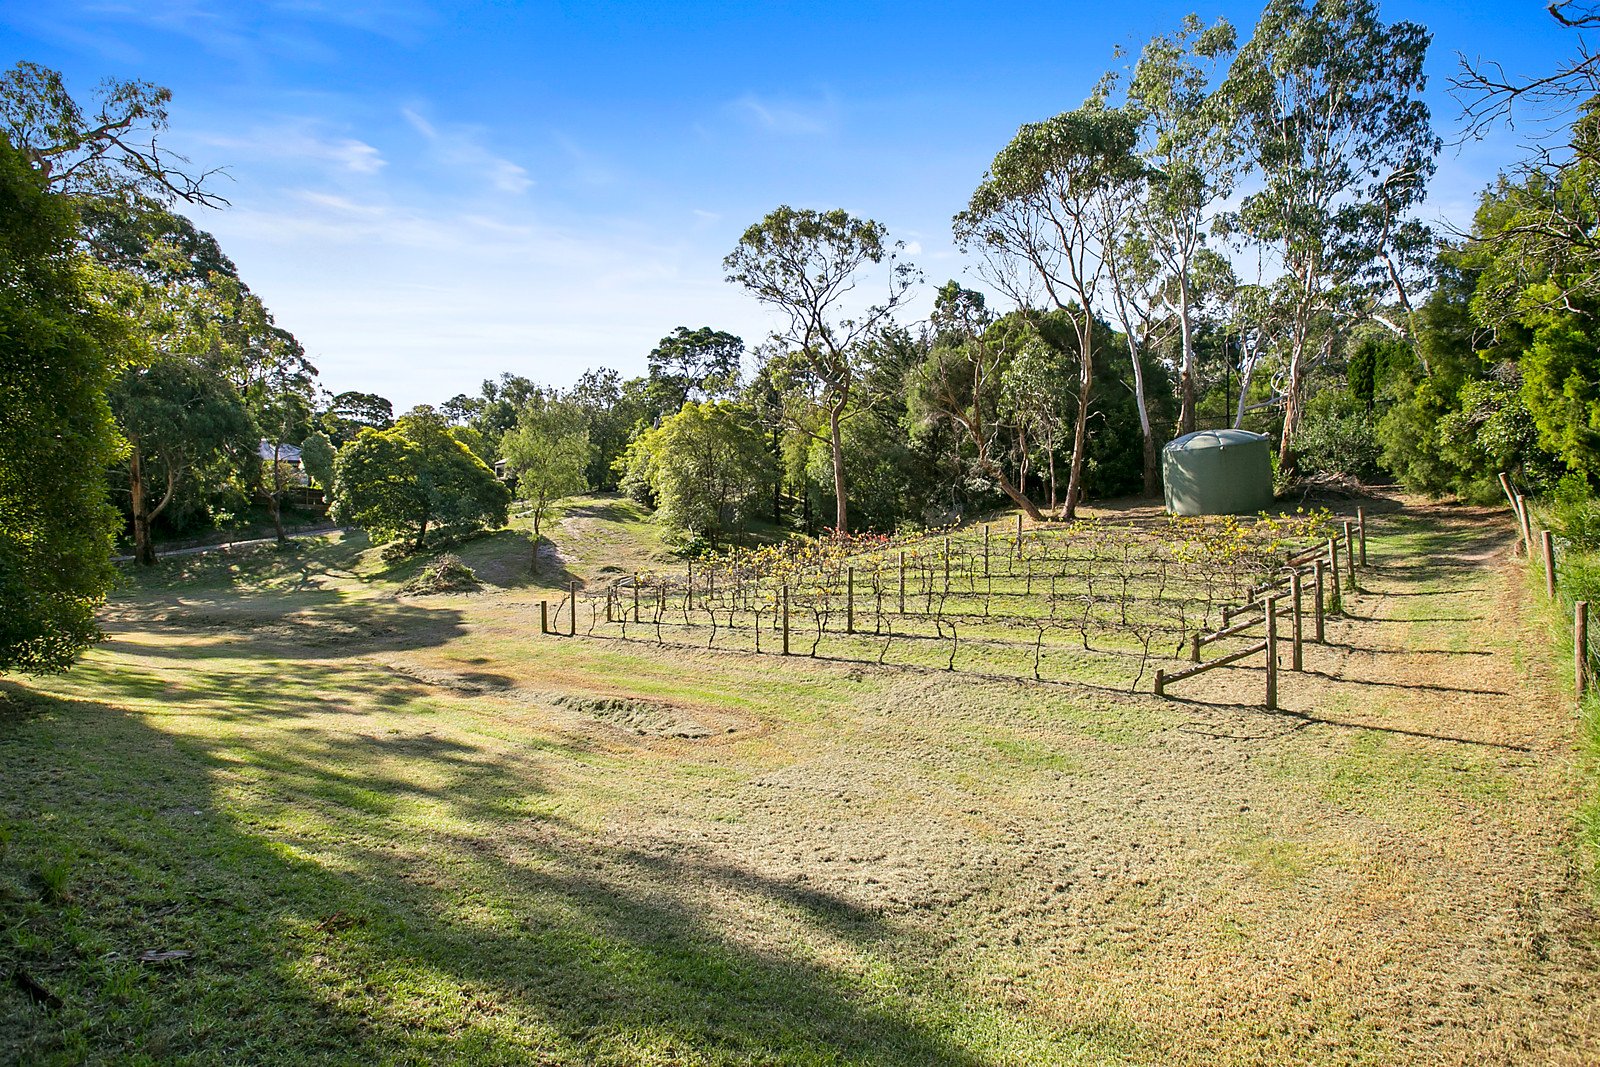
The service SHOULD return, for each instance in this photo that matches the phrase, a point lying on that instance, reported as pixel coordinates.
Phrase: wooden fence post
(1548, 543)
(1161, 682)
(1335, 601)
(986, 550)
(902, 581)
(947, 563)
(544, 616)
(1318, 602)
(786, 620)
(850, 601)
(1295, 661)
(1361, 525)
(1019, 535)
(688, 593)
(1511, 496)
(1524, 525)
(1580, 647)
(1194, 648)
(1272, 655)
(1350, 552)
(635, 596)
(572, 609)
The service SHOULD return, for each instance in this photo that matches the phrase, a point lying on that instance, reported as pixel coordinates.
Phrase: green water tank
(1218, 472)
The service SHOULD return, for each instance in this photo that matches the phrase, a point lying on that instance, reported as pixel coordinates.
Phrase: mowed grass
(412, 830)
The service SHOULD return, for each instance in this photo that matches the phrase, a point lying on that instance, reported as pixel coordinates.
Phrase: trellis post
(902, 581)
(1317, 603)
(850, 601)
(1335, 601)
(572, 609)
(544, 616)
(1580, 647)
(1296, 662)
(786, 620)
(635, 596)
(1548, 542)
(986, 550)
(1361, 526)
(1350, 552)
(1272, 655)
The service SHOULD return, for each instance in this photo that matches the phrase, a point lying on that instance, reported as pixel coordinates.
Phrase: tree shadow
(367, 899)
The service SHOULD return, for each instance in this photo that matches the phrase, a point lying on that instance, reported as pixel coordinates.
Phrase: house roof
(286, 453)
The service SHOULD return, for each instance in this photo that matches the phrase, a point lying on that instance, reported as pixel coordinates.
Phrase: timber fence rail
(1090, 602)
(1548, 545)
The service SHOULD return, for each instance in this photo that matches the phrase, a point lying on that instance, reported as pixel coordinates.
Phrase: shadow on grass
(367, 899)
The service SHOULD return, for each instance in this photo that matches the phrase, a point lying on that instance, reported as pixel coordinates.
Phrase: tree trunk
(1080, 428)
(1050, 459)
(1017, 496)
(1152, 467)
(1291, 408)
(842, 522)
(144, 550)
(777, 482)
(422, 536)
(277, 517)
(1186, 410)
(1151, 475)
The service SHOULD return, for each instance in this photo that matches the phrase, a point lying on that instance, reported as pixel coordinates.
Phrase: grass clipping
(442, 574)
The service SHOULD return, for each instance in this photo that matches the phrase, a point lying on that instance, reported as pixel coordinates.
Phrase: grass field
(382, 829)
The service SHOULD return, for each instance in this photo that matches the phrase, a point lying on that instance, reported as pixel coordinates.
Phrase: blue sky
(428, 195)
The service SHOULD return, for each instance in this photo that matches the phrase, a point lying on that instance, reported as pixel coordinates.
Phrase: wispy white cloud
(298, 140)
(462, 147)
(787, 118)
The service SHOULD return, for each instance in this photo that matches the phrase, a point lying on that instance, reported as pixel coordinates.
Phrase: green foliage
(398, 483)
(706, 466)
(317, 455)
(548, 454)
(1336, 436)
(56, 433)
(689, 363)
(1561, 382)
(1576, 512)
(442, 574)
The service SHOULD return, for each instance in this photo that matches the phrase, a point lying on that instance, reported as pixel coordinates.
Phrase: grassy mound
(443, 574)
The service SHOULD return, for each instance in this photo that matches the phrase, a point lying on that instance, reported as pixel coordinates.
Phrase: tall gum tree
(805, 264)
(962, 381)
(1043, 220)
(1328, 99)
(1190, 144)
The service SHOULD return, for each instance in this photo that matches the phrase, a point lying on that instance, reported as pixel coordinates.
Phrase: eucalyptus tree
(689, 364)
(1328, 99)
(806, 265)
(1044, 221)
(1189, 142)
(112, 149)
(57, 437)
(962, 380)
(548, 455)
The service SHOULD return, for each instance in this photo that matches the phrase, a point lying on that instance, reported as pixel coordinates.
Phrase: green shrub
(1336, 436)
(1576, 513)
(443, 574)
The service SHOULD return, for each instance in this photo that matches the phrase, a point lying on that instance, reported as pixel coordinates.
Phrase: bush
(443, 574)
(1576, 512)
(1337, 437)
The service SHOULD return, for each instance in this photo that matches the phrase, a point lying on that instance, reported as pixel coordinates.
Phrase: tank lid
(1201, 440)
